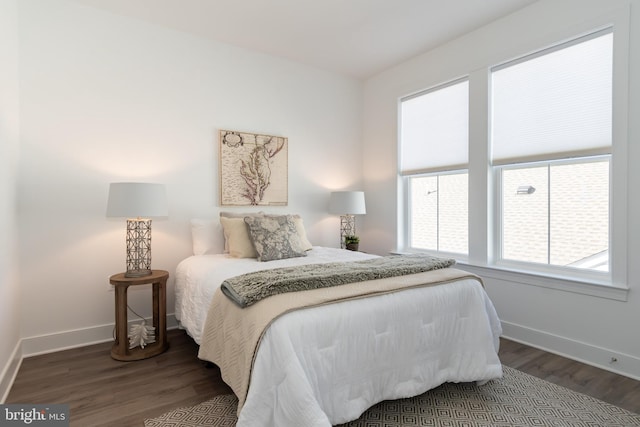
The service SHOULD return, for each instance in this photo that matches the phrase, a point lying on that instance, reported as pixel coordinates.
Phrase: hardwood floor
(103, 392)
(604, 385)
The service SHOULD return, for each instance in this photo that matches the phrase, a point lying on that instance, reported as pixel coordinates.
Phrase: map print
(253, 169)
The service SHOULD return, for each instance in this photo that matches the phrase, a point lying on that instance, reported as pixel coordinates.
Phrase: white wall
(584, 327)
(9, 132)
(106, 98)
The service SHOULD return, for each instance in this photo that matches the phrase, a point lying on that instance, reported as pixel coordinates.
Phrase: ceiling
(358, 38)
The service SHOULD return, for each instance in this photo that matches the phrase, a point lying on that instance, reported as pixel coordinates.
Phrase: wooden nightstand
(120, 349)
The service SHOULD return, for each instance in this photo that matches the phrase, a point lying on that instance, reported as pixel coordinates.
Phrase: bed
(327, 363)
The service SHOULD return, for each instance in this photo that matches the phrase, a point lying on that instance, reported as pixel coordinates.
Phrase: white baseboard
(10, 371)
(624, 364)
(42, 344)
(66, 340)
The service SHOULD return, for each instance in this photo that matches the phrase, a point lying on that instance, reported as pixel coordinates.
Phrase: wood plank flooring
(604, 385)
(101, 391)
(104, 392)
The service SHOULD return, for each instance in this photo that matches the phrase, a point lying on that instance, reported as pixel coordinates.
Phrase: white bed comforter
(198, 276)
(326, 365)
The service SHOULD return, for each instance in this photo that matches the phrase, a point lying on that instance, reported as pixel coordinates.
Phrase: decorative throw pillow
(275, 237)
(241, 215)
(236, 233)
(302, 233)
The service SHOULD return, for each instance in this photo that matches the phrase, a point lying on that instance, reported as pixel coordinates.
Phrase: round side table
(120, 349)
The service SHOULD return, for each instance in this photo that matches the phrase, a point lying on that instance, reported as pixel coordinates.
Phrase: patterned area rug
(518, 399)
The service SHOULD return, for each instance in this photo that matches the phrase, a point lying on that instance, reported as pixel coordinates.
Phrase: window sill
(579, 286)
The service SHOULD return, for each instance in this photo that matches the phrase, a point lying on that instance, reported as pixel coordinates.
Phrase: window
(557, 213)
(520, 170)
(438, 214)
(551, 145)
(434, 138)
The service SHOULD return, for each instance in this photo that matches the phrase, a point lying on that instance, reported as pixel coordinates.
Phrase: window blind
(555, 104)
(434, 130)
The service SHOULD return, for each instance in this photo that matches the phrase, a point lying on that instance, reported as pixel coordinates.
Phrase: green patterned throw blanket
(247, 289)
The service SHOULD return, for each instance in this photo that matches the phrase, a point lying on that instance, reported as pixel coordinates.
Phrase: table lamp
(137, 202)
(347, 204)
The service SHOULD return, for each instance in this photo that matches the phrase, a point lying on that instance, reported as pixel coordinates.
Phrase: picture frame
(253, 169)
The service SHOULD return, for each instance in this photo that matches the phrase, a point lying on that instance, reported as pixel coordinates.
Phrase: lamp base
(137, 273)
(347, 228)
(138, 247)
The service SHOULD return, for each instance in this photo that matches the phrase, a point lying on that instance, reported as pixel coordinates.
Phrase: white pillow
(302, 233)
(206, 236)
(236, 233)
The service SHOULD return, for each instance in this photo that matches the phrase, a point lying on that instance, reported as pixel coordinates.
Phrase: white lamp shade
(347, 202)
(137, 199)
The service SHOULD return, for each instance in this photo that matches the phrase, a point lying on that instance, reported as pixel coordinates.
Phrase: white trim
(480, 188)
(440, 170)
(10, 372)
(572, 41)
(59, 341)
(625, 364)
(619, 179)
(514, 162)
(565, 284)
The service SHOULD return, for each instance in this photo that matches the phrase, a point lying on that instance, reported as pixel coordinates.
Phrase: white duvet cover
(326, 365)
(198, 276)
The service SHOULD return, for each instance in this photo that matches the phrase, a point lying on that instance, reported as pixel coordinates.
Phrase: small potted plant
(351, 242)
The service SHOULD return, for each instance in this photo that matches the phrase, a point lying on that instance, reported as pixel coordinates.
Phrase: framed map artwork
(253, 169)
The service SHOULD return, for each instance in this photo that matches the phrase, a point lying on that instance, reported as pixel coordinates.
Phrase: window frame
(551, 270)
(408, 218)
(614, 278)
(404, 209)
(482, 186)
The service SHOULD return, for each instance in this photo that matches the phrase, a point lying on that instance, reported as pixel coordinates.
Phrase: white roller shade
(434, 130)
(555, 104)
